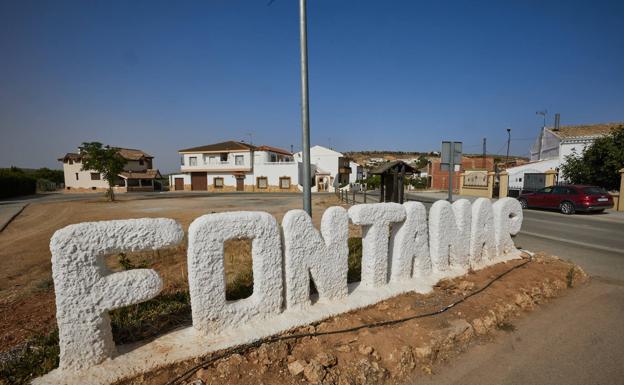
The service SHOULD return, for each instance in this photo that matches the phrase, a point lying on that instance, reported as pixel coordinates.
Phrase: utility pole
(508, 143)
(305, 115)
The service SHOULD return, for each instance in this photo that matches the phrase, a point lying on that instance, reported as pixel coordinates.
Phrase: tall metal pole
(508, 142)
(451, 172)
(305, 115)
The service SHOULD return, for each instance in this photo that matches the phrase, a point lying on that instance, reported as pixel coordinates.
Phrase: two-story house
(138, 174)
(236, 166)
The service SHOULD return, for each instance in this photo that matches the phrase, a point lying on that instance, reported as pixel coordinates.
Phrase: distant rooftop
(585, 131)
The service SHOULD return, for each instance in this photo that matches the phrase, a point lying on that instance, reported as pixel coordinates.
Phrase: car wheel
(523, 203)
(567, 208)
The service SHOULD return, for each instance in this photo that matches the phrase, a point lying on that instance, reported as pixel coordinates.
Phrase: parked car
(568, 199)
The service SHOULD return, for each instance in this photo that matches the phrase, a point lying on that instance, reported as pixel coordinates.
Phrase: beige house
(138, 174)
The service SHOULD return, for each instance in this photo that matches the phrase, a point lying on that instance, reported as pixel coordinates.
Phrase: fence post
(503, 184)
(364, 195)
(620, 205)
(353, 196)
(462, 176)
(551, 177)
(490, 180)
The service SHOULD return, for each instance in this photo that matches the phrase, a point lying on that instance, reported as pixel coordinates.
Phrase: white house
(236, 166)
(553, 145)
(331, 169)
(138, 174)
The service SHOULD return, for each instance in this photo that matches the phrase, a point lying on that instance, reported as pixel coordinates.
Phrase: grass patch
(355, 260)
(33, 359)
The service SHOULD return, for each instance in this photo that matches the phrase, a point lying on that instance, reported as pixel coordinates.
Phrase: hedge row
(13, 184)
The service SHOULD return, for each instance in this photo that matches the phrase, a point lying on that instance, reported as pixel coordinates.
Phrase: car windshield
(594, 190)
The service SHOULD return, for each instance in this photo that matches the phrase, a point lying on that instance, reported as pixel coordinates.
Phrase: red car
(568, 199)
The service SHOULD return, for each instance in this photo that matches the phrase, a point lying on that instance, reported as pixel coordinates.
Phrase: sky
(384, 75)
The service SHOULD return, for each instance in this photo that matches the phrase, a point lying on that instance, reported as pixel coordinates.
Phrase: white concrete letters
(324, 255)
(375, 220)
(86, 289)
(211, 312)
(400, 254)
(410, 244)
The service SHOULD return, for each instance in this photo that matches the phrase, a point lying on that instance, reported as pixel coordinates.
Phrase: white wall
(84, 177)
(274, 171)
(516, 174)
(203, 161)
(568, 148)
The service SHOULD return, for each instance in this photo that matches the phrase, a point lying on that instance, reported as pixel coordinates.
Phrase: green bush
(13, 184)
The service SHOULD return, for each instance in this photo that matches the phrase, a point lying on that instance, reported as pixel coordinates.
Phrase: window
(594, 191)
(262, 182)
(546, 190)
(76, 176)
(212, 160)
(141, 162)
(182, 161)
(95, 176)
(192, 161)
(224, 156)
(285, 182)
(239, 160)
(218, 182)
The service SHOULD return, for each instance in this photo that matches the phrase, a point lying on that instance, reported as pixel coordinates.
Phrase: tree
(105, 160)
(600, 162)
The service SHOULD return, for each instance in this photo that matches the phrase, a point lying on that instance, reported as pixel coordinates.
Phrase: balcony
(222, 165)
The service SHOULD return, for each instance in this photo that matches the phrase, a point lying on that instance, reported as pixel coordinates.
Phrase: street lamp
(305, 115)
(508, 143)
(543, 114)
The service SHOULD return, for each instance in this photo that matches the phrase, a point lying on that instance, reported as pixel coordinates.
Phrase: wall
(84, 177)
(439, 178)
(402, 251)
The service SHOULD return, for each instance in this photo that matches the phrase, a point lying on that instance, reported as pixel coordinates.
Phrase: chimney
(557, 119)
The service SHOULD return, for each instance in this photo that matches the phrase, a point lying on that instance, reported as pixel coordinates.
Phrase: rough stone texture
(86, 289)
(85, 292)
(323, 255)
(463, 218)
(507, 222)
(482, 242)
(409, 244)
(375, 220)
(444, 236)
(211, 312)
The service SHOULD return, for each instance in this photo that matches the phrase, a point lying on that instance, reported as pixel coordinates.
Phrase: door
(540, 198)
(199, 181)
(240, 183)
(179, 184)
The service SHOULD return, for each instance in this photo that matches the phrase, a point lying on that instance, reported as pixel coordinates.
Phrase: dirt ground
(26, 287)
(390, 354)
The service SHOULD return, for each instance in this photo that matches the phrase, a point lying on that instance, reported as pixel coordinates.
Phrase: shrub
(13, 183)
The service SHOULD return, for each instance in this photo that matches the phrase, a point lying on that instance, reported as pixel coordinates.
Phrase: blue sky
(395, 75)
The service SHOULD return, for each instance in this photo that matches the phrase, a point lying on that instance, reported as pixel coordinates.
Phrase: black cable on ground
(242, 348)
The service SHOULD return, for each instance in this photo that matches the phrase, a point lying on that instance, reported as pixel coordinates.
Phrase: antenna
(250, 135)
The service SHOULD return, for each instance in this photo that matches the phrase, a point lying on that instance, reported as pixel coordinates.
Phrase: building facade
(236, 166)
(331, 169)
(438, 179)
(138, 174)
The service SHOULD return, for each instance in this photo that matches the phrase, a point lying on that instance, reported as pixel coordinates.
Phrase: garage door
(199, 181)
(179, 184)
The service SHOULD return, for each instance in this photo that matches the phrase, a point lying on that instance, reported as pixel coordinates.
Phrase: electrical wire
(184, 376)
